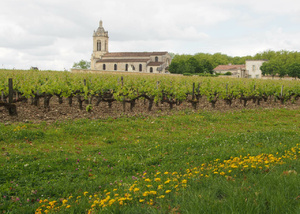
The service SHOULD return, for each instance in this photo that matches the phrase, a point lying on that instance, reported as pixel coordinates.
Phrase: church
(144, 62)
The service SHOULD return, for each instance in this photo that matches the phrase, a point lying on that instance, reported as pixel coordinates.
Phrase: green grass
(55, 161)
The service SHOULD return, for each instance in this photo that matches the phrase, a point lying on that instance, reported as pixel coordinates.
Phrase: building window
(156, 59)
(104, 67)
(151, 70)
(126, 67)
(115, 67)
(98, 45)
(140, 67)
(253, 67)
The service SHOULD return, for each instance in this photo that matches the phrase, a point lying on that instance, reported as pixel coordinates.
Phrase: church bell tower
(100, 44)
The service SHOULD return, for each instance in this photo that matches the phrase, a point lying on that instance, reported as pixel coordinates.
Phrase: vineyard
(167, 144)
(127, 93)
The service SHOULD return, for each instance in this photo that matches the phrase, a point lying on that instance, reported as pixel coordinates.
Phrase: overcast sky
(53, 34)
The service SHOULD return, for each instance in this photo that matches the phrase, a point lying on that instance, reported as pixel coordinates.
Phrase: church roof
(122, 60)
(155, 63)
(134, 54)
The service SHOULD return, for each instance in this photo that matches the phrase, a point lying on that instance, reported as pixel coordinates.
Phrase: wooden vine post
(194, 102)
(12, 108)
(123, 94)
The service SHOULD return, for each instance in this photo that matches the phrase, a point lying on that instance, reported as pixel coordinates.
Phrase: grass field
(244, 161)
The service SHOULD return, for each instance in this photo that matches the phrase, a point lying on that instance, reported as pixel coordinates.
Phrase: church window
(156, 59)
(126, 67)
(104, 67)
(115, 67)
(140, 67)
(98, 45)
(151, 70)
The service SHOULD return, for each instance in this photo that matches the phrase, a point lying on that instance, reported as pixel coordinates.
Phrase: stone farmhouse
(144, 62)
(251, 69)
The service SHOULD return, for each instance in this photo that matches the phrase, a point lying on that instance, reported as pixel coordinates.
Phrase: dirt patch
(61, 112)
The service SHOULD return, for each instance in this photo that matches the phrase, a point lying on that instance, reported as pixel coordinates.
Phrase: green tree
(267, 69)
(278, 63)
(293, 70)
(193, 66)
(207, 66)
(82, 64)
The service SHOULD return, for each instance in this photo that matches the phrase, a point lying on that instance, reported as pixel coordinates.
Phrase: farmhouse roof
(229, 67)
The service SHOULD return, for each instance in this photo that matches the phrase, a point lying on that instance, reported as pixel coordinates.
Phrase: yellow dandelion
(111, 202)
(167, 181)
(145, 193)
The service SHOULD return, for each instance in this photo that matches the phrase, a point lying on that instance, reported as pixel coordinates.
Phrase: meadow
(193, 161)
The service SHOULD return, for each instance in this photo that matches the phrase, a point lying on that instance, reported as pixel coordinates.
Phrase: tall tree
(82, 64)
(293, 70)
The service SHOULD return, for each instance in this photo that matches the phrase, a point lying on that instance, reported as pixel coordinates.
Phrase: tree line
(279, 63)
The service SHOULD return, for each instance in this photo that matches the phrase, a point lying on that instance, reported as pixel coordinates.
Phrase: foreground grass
(205, 162)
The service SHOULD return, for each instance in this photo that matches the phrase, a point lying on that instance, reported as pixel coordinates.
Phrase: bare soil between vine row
(61, 112)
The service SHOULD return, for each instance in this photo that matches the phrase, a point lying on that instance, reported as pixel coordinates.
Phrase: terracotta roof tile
(229, 67)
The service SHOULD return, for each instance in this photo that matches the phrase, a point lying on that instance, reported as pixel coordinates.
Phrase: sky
(53, 34)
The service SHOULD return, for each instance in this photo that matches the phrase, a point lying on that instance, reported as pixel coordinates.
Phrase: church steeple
(100, 42)
(100, 31)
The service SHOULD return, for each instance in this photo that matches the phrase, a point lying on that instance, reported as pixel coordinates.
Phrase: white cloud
(53, 34)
